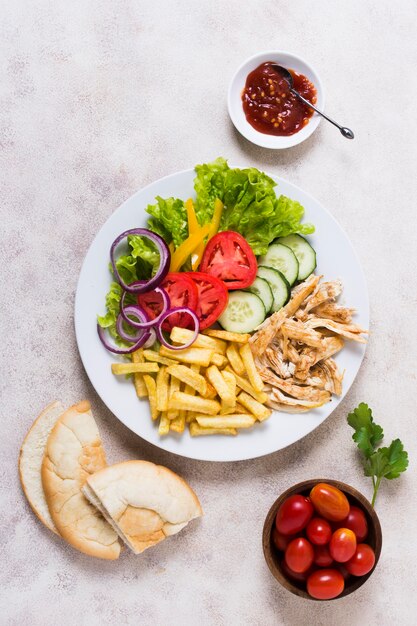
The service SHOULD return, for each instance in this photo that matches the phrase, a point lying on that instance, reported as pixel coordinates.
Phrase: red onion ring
(164, 257)
(152, 338)
(111, 348)
(133, 308)
(160, 335)
(125, 335)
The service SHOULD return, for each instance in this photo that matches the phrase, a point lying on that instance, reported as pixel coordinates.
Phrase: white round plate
(336, 259)
(237, 85)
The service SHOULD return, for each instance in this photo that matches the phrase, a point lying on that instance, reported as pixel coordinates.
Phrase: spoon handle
(346, 132)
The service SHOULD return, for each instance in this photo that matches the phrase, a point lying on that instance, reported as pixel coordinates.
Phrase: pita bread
(30, 461)
(144, 502)
(73, 452)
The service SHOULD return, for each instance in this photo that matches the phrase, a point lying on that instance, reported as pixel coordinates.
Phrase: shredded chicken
(268, 329)
(293, 349)
(350, 331)
(333, 311)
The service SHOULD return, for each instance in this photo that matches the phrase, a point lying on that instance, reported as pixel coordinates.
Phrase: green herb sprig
(378, 463)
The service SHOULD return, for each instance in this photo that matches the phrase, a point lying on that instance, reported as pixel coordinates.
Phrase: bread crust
(74, 452)
(30, 461)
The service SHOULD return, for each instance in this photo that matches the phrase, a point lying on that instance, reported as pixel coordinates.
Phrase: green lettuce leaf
(169, 219)
(113, 307)
(209, 184)
(251, 206)
(145, 255)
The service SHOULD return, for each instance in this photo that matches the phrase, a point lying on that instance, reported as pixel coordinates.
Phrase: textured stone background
(99, 99)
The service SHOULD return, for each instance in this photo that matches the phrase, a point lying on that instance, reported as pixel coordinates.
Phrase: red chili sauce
(269, 105)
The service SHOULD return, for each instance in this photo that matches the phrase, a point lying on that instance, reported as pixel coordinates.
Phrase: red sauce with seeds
(269, 105)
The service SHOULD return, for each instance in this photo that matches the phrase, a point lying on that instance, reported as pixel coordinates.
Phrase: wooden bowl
(274, 558)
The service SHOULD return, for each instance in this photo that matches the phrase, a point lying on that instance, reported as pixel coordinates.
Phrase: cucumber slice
(244, 312)
(281, 258)
(304, 252)
(262, 289)
(280, 286)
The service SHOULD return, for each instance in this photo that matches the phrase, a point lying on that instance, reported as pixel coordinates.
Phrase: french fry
(162, 380)
(133, 368)
(151, 355)
(150, 384)
(235, 361)
(244, 384)
(190, 378)
(226, 421)
(251, 371)
(260, 411)
(230, 381)
(197, 356)
(219, 360)
(141, 391)
(224, 334)
(190, 415)
(211, 392)
(174, 385)
(196, 430)
(164, 424)
(238, 408)
(178, 424)
(181, 400)
(182, 335)
(219, 383)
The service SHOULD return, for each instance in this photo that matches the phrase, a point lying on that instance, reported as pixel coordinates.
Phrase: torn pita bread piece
(30, 461)
(74, 452)
(144, 502)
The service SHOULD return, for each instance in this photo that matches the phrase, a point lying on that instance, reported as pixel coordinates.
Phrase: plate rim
(365, 309)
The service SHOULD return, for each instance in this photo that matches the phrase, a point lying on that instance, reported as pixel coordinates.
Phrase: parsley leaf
(367, 434)
(378, 462)
(397, 459)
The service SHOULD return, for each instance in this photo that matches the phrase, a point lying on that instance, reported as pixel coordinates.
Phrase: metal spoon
(346, 132)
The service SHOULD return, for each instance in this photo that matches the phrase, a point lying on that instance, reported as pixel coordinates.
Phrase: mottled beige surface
(100, 98)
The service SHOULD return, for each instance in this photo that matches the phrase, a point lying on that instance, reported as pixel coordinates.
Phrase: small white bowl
(234, 99)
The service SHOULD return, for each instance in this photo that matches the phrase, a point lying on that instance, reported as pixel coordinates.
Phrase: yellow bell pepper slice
(197, 256)
(187, 247)
(217, 215)
(193, 224)
(193, 227)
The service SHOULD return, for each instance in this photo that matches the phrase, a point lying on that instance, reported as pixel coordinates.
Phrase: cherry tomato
(212, 298)
(325, 584)
(299, 555)
(322, 556)
(356, 521)
(293, 515)
(228, 256)
(280, 541)
(319, 531)
(342, 545)
(182, 291)
(362, 561)
(298, 577)
(330, 502)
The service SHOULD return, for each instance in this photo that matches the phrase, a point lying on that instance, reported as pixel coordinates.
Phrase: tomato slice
(212, 297)
(229, 257)
(182, 291)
